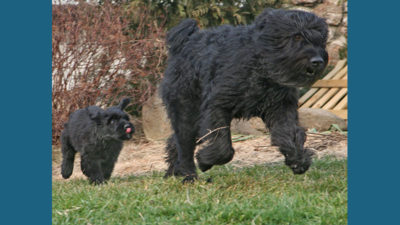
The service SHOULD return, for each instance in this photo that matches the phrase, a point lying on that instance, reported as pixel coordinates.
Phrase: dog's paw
(97, 181)
(65, 174)
(204, 167)
(170, 174)
(301, 163)
(66, 169)
(300, 168)
(189, 179)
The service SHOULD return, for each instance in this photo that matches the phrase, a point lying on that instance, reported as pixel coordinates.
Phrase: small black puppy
(98, 136)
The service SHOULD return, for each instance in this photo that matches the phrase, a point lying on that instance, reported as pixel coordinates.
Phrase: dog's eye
(113, 120)
(298, 37)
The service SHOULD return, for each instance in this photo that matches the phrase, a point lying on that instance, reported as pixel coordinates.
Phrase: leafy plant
(208, 12)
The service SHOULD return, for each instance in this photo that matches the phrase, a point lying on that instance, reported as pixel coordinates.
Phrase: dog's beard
(299, 76)
(125, 136)
(299, 80)
(118, 134)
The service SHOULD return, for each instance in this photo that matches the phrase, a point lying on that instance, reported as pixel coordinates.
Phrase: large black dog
(98, 136)
(228, 72)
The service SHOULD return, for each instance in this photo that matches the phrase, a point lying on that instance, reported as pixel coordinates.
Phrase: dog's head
(114, 122)
(291, 46)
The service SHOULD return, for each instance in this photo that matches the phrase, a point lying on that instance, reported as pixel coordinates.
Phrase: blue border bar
(25, 112)
(374, 92)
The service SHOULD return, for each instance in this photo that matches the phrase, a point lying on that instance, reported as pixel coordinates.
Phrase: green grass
(266, 194)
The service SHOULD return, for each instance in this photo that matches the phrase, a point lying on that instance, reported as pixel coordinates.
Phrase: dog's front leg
(92, 169)
(216, 140)
(290, 137)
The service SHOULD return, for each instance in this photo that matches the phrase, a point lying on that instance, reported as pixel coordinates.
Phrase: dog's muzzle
(316, 65)
(129, 130)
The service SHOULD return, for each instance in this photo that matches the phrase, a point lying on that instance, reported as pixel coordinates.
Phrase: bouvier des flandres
(98, 136)
(228, 72)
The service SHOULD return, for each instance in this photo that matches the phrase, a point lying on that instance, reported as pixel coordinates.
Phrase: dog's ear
(124, 103)
(95, 114)
(261, 20)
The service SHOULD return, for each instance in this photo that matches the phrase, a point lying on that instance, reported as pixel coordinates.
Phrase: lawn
(263, 194)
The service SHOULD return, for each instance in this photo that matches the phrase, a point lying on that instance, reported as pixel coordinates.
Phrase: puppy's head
(114, 122)
(292, 45)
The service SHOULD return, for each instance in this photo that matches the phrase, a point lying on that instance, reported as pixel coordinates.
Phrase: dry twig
(210, 132)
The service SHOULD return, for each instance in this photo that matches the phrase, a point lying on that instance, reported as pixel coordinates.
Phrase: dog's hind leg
(172, 156)
(181, 145)
(216, 133)
(185, 145)
(68, 157)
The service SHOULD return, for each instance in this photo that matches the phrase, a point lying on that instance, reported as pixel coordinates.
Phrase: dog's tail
(179, 35)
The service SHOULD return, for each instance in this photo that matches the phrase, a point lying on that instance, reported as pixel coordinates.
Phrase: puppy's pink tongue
(128, 130)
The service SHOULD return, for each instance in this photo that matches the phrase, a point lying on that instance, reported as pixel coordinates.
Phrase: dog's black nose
(316, 61)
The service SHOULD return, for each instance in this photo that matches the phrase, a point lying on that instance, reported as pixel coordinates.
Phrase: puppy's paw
(189, 179)
(97, 181)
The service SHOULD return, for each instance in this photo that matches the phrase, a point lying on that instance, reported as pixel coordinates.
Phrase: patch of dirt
(142, 157)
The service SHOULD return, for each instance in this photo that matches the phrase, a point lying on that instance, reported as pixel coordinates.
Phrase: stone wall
(335, 12)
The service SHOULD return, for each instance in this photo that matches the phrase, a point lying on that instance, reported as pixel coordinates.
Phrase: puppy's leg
(290, 137)
(91, 167)
(108, 167)
(109, 164)
(218, 148)
(68, 157)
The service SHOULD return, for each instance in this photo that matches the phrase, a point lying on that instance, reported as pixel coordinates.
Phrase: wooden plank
(339, 66)
(321, 102)
(307, 95)
(340, 113)
(335, 99)
(314, 98)
(330, 84)
(342, 104)
(342, 73)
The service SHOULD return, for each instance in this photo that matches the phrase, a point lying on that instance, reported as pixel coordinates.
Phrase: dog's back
(81, 126)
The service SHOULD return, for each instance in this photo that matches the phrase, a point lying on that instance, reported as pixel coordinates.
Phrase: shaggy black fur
(98, 136)
(228, 72)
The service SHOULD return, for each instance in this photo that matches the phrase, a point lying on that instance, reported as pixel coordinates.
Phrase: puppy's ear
(124, 103)
(262, 19)
(95, 114)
